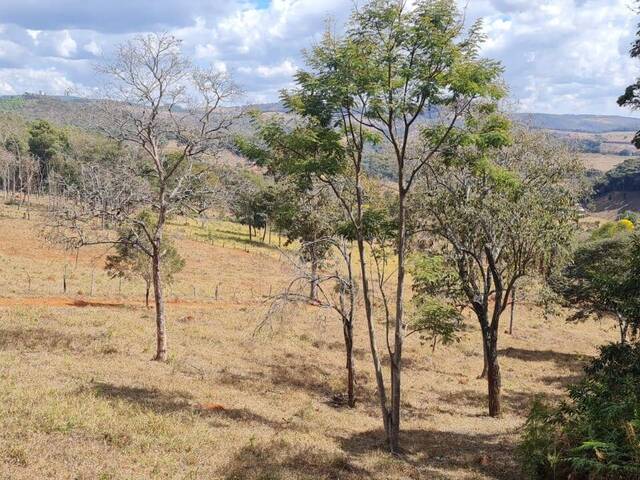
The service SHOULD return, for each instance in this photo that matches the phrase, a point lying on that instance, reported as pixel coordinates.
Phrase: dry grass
(80, 398)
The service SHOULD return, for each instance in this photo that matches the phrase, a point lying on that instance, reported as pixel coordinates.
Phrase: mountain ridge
(34, 105)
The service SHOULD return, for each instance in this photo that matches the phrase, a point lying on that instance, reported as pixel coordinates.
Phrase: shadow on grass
(43, 339)
(512, 402)
(246, 416)
(148, 398)
(310, 378)
(235, 238)
(562, 359)
(171, 401)
(436, 451)
(88, 303)
(280, 459)
(562, 380)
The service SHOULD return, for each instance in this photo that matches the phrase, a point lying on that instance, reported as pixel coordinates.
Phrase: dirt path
(103, 302)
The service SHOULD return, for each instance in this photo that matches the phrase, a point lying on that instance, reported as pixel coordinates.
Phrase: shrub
(611, 229)
(596, 433)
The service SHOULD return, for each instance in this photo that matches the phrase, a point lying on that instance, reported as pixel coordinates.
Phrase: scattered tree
(167, 114)
(503, 212)
(396, 66)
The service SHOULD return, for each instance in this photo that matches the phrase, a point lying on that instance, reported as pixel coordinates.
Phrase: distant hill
(62, 109)
(579, 123)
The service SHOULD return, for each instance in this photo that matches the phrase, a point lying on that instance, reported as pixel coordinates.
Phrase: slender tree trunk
(313, 286)
(494, 381)
(264, 233)
(483, 374)
(351, 376)
(490, 347)
(396, 358)
(513, 308)
(146, 293)
(250, 233)
(623, 326)
(377, 364)
(161, 334)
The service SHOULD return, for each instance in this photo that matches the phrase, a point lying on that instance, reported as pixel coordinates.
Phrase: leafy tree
(47, 143)
(610, 229)
(601, 280)
(503, 211)
(438, 300)
(250, 200)
(129, 261)
(633, 217)
(308, 217)
(394, 66)
(596, 433)
(623, 177)
(631, 96)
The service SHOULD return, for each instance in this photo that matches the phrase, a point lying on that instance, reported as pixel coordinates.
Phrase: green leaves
(595, 434)
(300, 150)
(437, 299)
(603, 278)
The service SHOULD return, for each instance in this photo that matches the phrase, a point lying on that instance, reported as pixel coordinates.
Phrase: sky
(560, 56)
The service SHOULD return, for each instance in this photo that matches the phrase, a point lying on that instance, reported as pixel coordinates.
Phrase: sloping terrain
(80, 398)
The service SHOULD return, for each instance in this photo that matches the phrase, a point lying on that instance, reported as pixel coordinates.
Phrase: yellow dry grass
(80, 398)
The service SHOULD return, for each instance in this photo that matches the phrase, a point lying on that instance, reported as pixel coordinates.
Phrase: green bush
(596, 433)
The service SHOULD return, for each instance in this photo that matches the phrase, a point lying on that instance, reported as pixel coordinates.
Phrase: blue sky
(560, 56)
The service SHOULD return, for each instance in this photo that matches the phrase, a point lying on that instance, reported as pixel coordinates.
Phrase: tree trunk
(250, 233)
(146, 293)
(513, 308)
(483, 374)
(351, 377)
(396, 359)
(377, 365)
(623, 325)
(313, 286)
(493, 379)
(161, 334)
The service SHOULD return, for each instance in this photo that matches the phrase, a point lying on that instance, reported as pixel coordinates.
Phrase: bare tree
(168, 114)
(336, 290)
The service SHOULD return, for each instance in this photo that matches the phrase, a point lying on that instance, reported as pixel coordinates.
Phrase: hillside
(84, 401)
(579, 123)
(61, 108)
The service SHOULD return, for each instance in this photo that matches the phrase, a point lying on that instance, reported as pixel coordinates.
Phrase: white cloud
(207, 51)
(67, 45)
(559, 55)
(565, 56)
(93, 48)
(20, 80)
(284, 69)
(34, 34)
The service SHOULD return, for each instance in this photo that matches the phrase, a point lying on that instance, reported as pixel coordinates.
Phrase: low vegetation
(596, 432)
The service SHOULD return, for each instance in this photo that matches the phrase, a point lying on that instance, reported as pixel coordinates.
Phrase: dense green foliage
(602, 279)
(437, 299)
(624, 177)
(596, 434)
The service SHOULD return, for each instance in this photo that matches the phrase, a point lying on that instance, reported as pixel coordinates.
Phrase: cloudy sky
(560, 56)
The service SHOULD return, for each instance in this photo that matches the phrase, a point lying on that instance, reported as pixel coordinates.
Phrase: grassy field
(80, 398)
